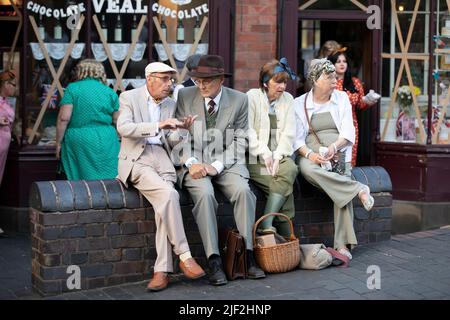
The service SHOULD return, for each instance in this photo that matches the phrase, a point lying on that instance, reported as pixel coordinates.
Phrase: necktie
(211, 105)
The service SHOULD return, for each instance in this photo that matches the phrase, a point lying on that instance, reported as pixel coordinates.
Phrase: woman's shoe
(345, 252)
(368, 204)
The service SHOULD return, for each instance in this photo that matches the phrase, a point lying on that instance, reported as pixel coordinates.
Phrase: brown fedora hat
(209, 66)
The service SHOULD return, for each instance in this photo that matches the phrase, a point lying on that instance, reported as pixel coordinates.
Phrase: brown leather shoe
(159, 281)
(191, 269)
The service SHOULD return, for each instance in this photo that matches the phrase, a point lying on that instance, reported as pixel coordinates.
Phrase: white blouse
(341, 111)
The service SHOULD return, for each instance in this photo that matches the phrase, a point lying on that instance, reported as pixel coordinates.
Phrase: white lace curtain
(118, 50)
(179, 50)
(56, 50)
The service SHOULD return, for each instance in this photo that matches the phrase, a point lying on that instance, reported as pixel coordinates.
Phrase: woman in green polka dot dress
(86, 138)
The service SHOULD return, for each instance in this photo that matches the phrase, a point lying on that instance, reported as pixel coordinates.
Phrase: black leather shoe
(253, 271)
(216, 275)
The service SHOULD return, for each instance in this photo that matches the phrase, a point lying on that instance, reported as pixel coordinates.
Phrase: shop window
(405, 103)
(179, 23)
(120, 41)
(124, 38)
(441, 76)
(332, 4)
(50, 63)
(309, 44)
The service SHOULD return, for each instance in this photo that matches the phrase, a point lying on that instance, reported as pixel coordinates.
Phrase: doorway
(358, 39)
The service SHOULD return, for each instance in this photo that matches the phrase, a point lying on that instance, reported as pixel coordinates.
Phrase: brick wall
(109, 232)
(255, 42)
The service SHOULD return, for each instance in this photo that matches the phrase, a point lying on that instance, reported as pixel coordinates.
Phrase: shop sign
(56, 13)
(128, 6)
(121, 6)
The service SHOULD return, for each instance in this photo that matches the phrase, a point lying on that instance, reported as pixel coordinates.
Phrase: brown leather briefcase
(234, 254)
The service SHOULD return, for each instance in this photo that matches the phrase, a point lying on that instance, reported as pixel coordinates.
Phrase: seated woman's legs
(279, 192)
(283, 226)
(341, 189)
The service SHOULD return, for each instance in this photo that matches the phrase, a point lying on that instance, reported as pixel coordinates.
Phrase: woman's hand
(316, 158)
(4, 121)
(275, 167)
(58, 151)
(269, 164)
(331, 152)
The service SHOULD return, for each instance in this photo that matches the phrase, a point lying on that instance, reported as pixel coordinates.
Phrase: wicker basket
(278, 258)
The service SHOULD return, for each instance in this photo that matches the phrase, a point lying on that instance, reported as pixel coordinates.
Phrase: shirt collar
(334, 99)
(216, 99)
(152, 100)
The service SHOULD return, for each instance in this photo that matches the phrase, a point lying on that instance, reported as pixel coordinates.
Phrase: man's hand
(269, 163)
(211, 171)
(275, 167)
(187, 122)
(169, 124)
(58, 151)
(198, 171)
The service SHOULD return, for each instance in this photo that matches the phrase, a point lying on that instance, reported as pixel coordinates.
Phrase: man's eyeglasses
(205, 82)
(164, 78)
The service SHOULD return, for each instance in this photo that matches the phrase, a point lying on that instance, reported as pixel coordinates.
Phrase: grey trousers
(341, 189)
(236, 189)
(154, 175)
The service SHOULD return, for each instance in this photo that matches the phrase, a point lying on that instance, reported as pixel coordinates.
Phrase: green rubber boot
(282, 225)
(273, 204)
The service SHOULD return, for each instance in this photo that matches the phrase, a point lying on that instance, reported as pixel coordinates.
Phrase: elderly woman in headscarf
(271, 138)
(324, 130)
(86, 138)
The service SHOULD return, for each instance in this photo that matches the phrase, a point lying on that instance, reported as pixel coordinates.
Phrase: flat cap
(158, 67)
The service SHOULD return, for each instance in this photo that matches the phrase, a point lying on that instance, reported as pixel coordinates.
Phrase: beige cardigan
(259, 124)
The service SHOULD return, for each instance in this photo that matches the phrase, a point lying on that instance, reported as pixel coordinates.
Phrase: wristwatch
(308, 153)
(190, 162)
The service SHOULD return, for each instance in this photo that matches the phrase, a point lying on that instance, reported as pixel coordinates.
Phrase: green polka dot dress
(90, 145)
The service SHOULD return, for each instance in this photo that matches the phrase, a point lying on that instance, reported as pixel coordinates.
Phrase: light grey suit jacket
(134, 127)
(231, 122)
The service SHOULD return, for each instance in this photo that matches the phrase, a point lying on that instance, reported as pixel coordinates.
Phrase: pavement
(411, 267)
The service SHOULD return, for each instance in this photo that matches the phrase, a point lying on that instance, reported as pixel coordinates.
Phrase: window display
(408, 67)
(123, 36)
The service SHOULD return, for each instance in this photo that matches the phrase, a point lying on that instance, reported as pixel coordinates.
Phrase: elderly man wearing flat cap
(145, 124)
(222, 120)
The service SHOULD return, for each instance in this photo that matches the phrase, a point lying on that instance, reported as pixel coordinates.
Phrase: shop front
(399, 49)
(406, 62)
(53, 36)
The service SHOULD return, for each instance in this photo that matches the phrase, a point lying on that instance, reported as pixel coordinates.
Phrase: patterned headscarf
(319, 67)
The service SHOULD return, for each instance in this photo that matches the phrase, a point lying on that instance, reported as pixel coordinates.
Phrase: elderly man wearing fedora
(222, 121)
(145, 124)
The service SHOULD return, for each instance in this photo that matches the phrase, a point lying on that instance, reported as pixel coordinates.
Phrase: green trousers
(282, 183)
